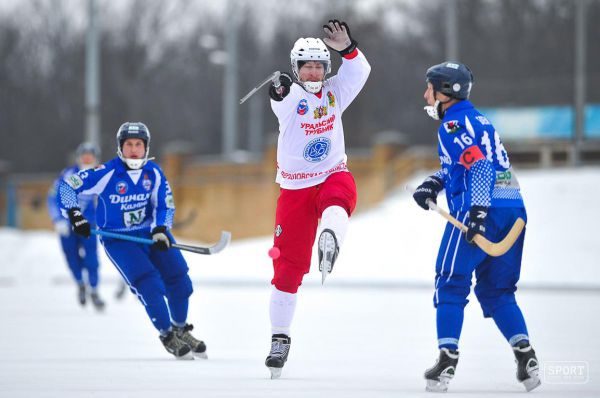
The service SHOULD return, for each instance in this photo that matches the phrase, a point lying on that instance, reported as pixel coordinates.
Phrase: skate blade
(275, 373)
(327, 247)
(186, 357)
(200, 355)
(437, 386)
(532, 382)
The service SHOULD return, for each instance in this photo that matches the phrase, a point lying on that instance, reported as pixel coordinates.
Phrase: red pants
(296, 222)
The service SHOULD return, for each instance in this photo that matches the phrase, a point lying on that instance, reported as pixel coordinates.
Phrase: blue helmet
(87, 147)
(133, 130)
(451, 78)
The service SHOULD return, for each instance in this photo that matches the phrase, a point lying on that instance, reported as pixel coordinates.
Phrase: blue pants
(81, 253)
(152, 276)
(496, 277)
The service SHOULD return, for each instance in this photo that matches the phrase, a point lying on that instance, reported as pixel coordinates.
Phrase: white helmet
(310, 49)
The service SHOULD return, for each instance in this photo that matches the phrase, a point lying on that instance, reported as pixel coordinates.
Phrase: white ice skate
(328, 252)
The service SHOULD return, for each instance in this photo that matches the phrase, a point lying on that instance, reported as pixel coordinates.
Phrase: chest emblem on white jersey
(146, 182)
(122, 187)
(302, 108)
(331, 99)
(317, 150)
(320, 111)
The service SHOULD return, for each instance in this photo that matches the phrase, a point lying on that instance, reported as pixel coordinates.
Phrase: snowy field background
(369, 332)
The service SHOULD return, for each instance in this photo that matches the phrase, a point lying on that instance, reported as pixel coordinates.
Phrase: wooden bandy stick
(493, 249)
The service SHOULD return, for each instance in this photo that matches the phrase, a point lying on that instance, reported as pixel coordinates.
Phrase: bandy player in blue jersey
(81, 254)
(134, 198)
(483, 193)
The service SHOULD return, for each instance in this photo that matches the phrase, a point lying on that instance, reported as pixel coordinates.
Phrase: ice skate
(280, 348)
(97, 301)
(197, 346)
(442, 372)
(81, 294)
(328, 252)
(176, 346)
(528, 369)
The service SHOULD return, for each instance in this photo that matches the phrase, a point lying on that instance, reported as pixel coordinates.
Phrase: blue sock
(179, 310)
(159, 315)
(449, 325)
(511, 323)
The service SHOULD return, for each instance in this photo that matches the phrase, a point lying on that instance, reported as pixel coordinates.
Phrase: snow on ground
(369, 332)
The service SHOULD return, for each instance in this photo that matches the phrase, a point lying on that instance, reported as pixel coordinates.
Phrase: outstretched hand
(337, 36)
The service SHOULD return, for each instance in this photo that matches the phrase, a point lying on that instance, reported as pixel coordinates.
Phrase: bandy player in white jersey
(311, 169)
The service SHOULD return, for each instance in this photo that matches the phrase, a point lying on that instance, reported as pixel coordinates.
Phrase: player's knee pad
(179, 287)
(149, 288)
(493, 298)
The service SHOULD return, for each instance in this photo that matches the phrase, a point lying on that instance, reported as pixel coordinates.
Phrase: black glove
(476, 224)
(338, 37)
(80, 225)
(279, 93)
(429, 189)
(160, 238)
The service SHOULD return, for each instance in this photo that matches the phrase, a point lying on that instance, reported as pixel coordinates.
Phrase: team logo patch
(146, 182)
(122, 187)
(278, 230)
(302, 107)
(317, 149)
(74, 181)
(320, 112)
(452, 126)
(331, 99)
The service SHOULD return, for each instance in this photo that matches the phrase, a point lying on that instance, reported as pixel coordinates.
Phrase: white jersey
(311, 145)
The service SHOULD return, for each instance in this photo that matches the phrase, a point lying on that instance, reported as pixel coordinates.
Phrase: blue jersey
(86, 202)
(475, 170)
(128, 200)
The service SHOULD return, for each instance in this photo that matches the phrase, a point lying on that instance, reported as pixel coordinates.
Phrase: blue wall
(542, 121)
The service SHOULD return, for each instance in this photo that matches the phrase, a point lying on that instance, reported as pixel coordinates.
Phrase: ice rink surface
(369, 332)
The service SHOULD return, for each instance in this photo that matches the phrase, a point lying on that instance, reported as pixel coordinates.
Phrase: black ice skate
(528, 369)
(97, 301)
(442, 372)
(81, 293)
(280, 348)
(197, 346)
(328, 252)
(176, 346)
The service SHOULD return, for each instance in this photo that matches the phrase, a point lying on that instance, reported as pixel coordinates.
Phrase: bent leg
(133, 262)
(454, 267)
(90, 259)
(174, 272)
(71, 250)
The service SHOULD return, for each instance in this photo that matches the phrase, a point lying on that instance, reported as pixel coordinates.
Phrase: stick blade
(222, 243)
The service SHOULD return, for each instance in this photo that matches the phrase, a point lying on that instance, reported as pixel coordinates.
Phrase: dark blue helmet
(133, 130)
(451, 78)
